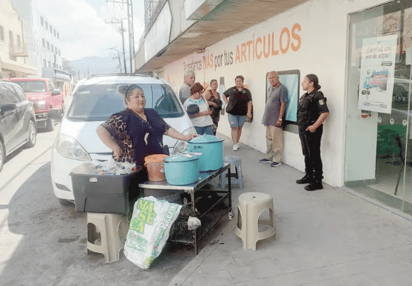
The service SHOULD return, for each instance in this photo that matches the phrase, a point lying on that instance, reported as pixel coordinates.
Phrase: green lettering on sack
(146, 215)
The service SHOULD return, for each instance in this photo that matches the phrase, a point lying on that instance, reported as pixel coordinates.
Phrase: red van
(45, 97)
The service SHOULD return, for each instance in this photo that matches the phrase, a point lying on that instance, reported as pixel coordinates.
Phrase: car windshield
(99, 102)
(32, 86)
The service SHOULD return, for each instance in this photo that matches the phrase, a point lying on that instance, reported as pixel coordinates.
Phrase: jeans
(205, 130)
(236, 120)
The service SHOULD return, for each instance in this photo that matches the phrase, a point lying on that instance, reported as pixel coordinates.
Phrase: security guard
(312, 112)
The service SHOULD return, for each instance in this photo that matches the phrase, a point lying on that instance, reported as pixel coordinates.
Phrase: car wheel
(32, 136)
(65, 202)
(49, 124)
(2, 155)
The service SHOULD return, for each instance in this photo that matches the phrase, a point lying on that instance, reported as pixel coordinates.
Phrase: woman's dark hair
(313, 78)
(197, 87)
(212, 81)
(241, 77)
(127, 90)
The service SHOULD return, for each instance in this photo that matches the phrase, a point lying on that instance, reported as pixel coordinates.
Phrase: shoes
(315, 185)
(236, 147)
(265, 161)
(275, 164)
(305, 180)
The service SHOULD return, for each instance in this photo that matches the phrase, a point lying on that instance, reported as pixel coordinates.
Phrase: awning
(18, 67)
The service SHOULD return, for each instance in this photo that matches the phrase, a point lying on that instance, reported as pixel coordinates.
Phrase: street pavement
(330, 237)
(327, 237)
(44, 243)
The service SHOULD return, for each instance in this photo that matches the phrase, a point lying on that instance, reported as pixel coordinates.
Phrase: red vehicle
(45, 97)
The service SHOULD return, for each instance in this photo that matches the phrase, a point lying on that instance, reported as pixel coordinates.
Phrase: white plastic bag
(149, 230)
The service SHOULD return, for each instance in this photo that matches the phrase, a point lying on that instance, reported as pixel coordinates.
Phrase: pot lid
(205, 139)
(181, 158)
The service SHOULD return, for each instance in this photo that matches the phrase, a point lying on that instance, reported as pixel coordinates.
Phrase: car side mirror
(7, 107)
(56, 92)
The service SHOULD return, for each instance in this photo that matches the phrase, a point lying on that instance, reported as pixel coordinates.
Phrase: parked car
(46, 98)
(94, 100)
(17, 120)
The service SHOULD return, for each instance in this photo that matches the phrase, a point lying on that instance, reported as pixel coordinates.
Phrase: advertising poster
(377, 73)
(290, 79)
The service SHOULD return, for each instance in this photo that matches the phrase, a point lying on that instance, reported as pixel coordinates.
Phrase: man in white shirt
(184, 91)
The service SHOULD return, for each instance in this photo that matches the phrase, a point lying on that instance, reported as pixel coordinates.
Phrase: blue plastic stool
(236, 176)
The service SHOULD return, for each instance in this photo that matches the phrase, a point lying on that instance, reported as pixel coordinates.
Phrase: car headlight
(181, 145)
(69, 148)
(39, 105)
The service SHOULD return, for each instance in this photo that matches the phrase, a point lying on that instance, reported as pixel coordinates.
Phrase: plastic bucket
(155, 167)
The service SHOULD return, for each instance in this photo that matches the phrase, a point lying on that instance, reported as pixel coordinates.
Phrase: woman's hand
(249, 115)
(206, 112)
(190, 137)
(213, 104)
(311, 128)
(117, 151)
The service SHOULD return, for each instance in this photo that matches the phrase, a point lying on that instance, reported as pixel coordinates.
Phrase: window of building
(49, 64)
(379, 118)
(59, 53)
(11, 37)
(44, 43)
(54, 32)
(51, 29)
(47, 25)
(52, 48)
(44, 63)
(58, 36)
(48, 45)
(1, 33)
(41, 20)
(18, 41)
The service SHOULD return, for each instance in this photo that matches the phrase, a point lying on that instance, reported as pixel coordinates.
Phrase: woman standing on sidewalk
(239, 106)
(213, 98)
(312, 112)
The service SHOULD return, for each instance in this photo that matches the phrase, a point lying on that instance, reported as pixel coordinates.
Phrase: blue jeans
(205, 130)
(236, 120)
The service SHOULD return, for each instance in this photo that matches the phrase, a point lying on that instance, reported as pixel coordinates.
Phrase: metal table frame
(205, 178)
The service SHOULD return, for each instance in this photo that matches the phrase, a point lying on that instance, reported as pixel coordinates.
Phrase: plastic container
(105, 193)
(155, 167)
(182, 169)
(211, 148)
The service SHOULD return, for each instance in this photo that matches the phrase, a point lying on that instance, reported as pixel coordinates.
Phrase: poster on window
(377, 73)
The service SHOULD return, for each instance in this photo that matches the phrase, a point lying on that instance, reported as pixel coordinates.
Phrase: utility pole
(120, 63)
(121, 31)
(129, 4)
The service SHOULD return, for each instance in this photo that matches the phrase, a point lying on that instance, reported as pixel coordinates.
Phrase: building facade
(13, 44)
(361, 50)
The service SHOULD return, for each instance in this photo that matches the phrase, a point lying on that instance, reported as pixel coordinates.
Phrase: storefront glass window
(378, 157)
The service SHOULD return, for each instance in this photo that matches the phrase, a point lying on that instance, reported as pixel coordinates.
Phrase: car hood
(36, 96)
(85, 134)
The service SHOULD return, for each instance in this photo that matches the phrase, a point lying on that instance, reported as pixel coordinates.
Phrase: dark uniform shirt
(311, 106)
(238, 100)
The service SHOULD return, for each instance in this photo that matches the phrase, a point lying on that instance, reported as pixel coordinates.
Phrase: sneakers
(275, 164)
(236, 147)
(265, 161)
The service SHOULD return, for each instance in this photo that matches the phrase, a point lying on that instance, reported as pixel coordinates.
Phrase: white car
(94, 100)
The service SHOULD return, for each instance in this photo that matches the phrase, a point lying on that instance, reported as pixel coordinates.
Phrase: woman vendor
(136, 132)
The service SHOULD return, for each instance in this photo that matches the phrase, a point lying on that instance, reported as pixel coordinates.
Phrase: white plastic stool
(113, 230)
(250, 206)
(236, 178)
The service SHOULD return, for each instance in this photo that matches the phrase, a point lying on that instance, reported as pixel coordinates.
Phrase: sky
(83, 28)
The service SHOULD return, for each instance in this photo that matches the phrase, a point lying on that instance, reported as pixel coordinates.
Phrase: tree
(68, 68)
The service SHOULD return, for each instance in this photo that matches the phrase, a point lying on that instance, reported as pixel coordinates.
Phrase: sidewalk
(326, 237)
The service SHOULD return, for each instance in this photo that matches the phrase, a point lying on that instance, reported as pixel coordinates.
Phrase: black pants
(311, 150)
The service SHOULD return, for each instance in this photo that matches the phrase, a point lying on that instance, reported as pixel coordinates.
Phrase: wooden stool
(250, 206)
(113, 231)
(236, 177)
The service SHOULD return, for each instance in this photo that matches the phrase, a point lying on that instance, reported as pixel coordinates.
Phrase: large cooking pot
(182, 169)
(211, 148)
